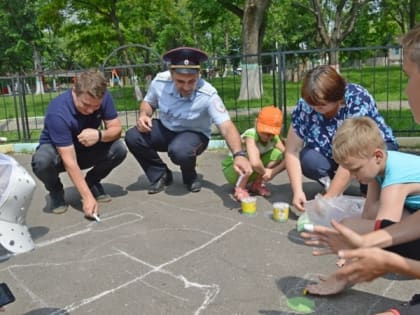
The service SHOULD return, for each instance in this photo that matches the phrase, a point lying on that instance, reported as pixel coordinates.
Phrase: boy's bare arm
(391, 204)
(339, 183)
(371, 206)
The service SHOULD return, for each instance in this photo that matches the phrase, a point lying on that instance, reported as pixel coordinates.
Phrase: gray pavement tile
(175, 253)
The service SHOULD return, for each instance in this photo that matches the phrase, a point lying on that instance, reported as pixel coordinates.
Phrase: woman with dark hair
(326, 101)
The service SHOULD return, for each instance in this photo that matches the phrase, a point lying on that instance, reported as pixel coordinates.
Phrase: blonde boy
(393, 180)
(393, 177)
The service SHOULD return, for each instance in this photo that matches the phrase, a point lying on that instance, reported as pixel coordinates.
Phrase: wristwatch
(239, 153)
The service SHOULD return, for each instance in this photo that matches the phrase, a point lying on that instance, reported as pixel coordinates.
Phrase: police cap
(185, 59)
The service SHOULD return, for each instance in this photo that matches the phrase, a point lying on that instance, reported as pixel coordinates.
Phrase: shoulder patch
(218, 104)
(163, 76)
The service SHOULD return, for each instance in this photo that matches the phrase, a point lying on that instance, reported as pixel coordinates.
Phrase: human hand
(242, 165)
(90, 207)
(299, 200)
(364, 264)
(88, 137)
(144, 123)
(332, 239)
(268, 175)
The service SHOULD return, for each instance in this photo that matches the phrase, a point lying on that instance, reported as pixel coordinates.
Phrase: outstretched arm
(367, 264)
(233, 140)
(294, 169)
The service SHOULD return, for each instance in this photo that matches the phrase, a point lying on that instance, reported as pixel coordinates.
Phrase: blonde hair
(411, 45)
(357, 137)
(92, 82)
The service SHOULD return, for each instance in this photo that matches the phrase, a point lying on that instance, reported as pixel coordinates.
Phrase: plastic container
(280, 211)
(249, 206)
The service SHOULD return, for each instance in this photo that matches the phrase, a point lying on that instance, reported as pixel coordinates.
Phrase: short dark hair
(321, 85)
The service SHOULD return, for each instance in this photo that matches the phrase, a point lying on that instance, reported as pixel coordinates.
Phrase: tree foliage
(20, 35)
(82, 33)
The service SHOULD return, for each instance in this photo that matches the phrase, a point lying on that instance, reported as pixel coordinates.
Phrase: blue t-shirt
(195, 113)
(317, 132)
(402, 168)
(63, 123)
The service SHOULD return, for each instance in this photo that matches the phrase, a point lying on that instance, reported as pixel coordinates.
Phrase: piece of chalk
(96, 217)
(238, 182)
(308, 227)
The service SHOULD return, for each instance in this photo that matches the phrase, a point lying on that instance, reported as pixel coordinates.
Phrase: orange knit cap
(270, 120)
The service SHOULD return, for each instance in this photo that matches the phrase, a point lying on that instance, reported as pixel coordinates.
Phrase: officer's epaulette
(207, 89)
(163, 76)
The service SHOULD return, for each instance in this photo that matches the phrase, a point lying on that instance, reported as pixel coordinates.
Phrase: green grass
(385, 84)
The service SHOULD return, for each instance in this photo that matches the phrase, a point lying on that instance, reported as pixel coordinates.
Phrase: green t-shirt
(262, 147)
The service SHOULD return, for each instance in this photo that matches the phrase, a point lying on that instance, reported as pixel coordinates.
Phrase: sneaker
(194, 186)
(240, 194)
(259, 188)
(99, 193)
(58, 204)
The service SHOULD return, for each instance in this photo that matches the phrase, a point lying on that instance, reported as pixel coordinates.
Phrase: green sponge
(301, 305)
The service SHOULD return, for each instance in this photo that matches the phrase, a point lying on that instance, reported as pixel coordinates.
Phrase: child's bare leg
(272, 164)
(242, 182)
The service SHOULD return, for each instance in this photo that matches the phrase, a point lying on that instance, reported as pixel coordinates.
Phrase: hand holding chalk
(238, 182)
(96, 217)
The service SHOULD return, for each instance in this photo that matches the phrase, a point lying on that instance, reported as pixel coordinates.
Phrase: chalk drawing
(208, 291)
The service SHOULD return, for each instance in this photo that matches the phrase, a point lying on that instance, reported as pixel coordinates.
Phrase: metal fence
(24, 98)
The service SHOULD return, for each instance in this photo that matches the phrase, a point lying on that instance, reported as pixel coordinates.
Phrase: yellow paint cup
(280, 211)
(249, 205)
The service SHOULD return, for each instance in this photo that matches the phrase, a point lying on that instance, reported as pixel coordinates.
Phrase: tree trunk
(253, 25)
(38, 69)
(333, 29)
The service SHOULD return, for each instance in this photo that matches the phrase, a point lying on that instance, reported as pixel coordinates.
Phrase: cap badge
(186, 62)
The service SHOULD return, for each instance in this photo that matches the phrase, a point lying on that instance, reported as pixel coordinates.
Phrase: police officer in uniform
(188, 105)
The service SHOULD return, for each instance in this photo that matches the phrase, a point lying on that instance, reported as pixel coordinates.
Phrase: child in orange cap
(264, 149)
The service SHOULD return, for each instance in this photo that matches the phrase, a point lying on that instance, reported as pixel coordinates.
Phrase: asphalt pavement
(176, 252)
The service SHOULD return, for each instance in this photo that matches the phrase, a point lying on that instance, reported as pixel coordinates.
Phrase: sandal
(259, 188)
(240, 194)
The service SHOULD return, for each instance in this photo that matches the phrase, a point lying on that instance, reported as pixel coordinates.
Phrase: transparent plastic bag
(322, 210)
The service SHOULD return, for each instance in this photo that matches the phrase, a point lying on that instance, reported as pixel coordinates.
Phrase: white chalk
(238, 182)
(96, 217)
(308, 227)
